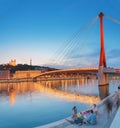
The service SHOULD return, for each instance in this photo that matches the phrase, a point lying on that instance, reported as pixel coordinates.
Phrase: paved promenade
(105, 118)
(101, 123)
(116, 121)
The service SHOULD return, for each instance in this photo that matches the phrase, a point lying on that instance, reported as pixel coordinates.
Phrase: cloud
(86, 57)
(113, 58)
(114, 54)
(86, 54)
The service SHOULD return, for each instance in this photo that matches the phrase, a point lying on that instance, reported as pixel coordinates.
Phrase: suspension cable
(73, 42)
(113, 19)
(76, 43)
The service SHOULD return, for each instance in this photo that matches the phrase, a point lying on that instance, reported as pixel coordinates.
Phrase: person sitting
(79, 119)
(92, 118)
(80, 115)
(74, 115)
(95, 109)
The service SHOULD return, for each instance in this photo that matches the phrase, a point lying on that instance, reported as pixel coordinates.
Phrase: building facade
(4, 74)
(13, 62)
(26, 74)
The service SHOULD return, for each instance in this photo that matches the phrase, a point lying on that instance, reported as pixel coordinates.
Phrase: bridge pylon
(102, 77)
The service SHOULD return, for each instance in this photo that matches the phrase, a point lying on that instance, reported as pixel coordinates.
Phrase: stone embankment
(15, 80)
(107, 109)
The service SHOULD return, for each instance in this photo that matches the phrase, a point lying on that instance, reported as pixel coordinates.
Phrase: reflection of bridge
(68, 96)
(102, 71)
(23, 88)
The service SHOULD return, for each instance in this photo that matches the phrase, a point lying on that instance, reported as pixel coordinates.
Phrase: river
(31, 104)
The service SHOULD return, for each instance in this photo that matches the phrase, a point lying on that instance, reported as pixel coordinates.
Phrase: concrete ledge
(58, 124)
(116, 121)
(104, 119)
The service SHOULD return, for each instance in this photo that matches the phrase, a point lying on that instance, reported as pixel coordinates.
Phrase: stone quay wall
(107, 109)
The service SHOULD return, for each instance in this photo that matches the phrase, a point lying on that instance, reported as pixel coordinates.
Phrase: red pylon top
(101, 14)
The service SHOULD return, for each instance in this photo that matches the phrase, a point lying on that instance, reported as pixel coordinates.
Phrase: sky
(59, 33)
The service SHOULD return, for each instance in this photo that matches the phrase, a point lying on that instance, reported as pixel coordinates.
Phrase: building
(26, 74)
(4, 74)
(12, 62)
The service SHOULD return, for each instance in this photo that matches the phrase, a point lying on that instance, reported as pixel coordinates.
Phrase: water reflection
(65, 95)
(78, 86)
(68, 90)
(12, 95)
(79, 90)
(23, 104)
(103, 91)
(12, 89)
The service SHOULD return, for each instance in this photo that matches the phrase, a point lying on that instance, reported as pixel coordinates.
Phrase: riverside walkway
(105, 118)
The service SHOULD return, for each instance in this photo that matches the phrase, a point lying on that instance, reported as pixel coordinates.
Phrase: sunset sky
(59, 33)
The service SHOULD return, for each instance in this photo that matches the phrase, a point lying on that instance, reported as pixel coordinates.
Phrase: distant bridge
(101, 72)
(76, 72)
(111, 71)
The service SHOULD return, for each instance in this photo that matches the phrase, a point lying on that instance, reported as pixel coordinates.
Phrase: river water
(31, 104)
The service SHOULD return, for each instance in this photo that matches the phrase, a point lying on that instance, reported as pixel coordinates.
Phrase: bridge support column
(102, 77)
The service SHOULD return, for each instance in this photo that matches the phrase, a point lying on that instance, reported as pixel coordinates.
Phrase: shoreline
(104, 118)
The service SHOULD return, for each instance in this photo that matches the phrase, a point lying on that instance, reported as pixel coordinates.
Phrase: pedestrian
(118, 96)
(95, 109)
(109, 104)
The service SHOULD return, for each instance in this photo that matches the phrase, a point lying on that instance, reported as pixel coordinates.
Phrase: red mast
(102, 61)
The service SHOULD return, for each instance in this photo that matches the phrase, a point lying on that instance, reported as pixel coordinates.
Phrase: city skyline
(41, 30)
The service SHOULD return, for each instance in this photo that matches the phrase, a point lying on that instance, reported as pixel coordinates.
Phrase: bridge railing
(109, 70)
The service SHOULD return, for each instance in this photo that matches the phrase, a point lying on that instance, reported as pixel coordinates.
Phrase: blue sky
(58, 33)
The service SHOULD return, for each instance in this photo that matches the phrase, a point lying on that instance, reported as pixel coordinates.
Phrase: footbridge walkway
(105, 118)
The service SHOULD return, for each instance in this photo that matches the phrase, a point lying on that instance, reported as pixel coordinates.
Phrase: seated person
(74, 115)
(80, 115)
(79, 119)
(92, 118)
(86, 113)
(95, 109)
